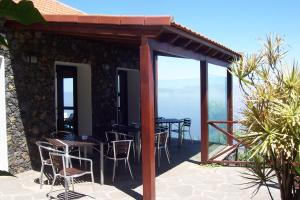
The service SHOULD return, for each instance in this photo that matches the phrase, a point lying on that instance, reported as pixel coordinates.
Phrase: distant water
(181, 99)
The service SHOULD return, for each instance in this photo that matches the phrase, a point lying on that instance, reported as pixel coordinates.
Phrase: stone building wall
(30, 87)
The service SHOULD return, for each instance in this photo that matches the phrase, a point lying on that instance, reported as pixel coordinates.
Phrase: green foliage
(272, 109)
(259, 174)
(23, 12)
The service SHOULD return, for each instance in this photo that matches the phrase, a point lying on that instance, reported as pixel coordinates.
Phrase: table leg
(179, 135)
(101, 165)
(169, 133)
(85, 156)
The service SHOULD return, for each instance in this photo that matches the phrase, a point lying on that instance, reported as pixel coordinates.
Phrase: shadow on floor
(187, 152)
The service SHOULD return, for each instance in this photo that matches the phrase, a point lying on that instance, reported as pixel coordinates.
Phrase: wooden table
(171, 121)
(74, 141)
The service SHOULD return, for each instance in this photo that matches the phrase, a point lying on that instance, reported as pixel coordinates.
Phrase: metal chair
(44, 149)
(62, 167)
(115, 136)
(120, 151)
(184, 127)
(161, 142)
(64, 134)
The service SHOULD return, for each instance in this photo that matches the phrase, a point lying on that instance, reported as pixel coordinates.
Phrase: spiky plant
(272, 109)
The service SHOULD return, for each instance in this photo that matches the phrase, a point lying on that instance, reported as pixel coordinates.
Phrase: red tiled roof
(55, 11)
(54, 7)
(110, 19)
(190, 31)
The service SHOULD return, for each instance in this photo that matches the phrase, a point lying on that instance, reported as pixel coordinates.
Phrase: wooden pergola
(154, 36)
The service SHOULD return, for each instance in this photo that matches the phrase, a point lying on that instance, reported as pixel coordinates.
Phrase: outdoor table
(170, 121)
(68, 142)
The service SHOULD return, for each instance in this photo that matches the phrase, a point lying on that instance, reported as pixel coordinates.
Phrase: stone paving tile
(182, 180)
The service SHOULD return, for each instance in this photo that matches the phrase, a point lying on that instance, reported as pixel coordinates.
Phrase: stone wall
(30, 87)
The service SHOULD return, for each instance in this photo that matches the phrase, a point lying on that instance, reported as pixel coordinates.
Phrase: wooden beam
(147, 119)
(229, 107)
(198, 47)
(204, 110)
(155, 67)
(173, 40)
(187, 44)
(173, 50)
(197, 39)
(90, 29)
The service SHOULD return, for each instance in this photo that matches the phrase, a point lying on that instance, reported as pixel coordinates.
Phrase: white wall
(133, 83)
(3, 134)
(84, 96)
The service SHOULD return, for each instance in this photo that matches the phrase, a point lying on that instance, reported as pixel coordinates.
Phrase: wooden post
(155, 67)
(229, 107)
(147, 119)
(204, 110)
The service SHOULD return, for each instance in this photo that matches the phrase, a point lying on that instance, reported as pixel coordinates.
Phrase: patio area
(183, 179)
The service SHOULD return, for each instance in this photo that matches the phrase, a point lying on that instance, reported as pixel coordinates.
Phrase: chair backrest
(58, 162)
(111, 136)
(44, 149)
(161, 138)
(121, 148)
(187, 122)
(60, 134)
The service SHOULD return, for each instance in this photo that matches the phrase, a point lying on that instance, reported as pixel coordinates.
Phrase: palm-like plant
(272, 109)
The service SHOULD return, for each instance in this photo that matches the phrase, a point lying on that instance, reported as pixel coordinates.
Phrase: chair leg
(127, 161)
(72, 182)
(79, 155)
(167, 154)
(191, 139)
(41, 176)
(54, 179)
(114, 171)
(133, 148)
(158, 156)
(66, 188)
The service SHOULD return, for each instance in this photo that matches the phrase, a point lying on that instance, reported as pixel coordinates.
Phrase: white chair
(44, 149)
(61, 168)
(66, 134)
(120, 151)
(161, 142)
(115, 136)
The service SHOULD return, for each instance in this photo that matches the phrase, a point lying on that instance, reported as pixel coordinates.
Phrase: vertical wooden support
(147, 119)
(155, 67)
(229, 107)
(204, 110)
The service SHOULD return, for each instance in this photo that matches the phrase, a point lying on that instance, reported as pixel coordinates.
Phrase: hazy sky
(238, 24)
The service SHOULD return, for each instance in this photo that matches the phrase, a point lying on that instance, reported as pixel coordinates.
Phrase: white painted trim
(3, 133)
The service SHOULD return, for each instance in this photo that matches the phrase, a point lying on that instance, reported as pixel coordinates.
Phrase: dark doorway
(67, 115)
(122, 97)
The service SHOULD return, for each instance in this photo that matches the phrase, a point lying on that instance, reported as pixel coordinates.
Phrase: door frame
(60, 107)
(3, 130)
(85, 124)
(116, 82)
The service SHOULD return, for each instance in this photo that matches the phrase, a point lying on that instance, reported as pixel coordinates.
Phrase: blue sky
(238, 24)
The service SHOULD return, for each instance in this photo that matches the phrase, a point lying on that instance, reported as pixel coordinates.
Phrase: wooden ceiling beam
(198, 47)
(173, 40)
(187, 44)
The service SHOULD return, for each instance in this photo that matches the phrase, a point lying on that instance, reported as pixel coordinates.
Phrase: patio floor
(184, 179)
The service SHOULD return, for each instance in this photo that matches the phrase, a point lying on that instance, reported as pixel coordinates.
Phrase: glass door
(67, 117)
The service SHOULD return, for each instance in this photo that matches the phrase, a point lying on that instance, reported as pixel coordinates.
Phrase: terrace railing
(233, 144)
